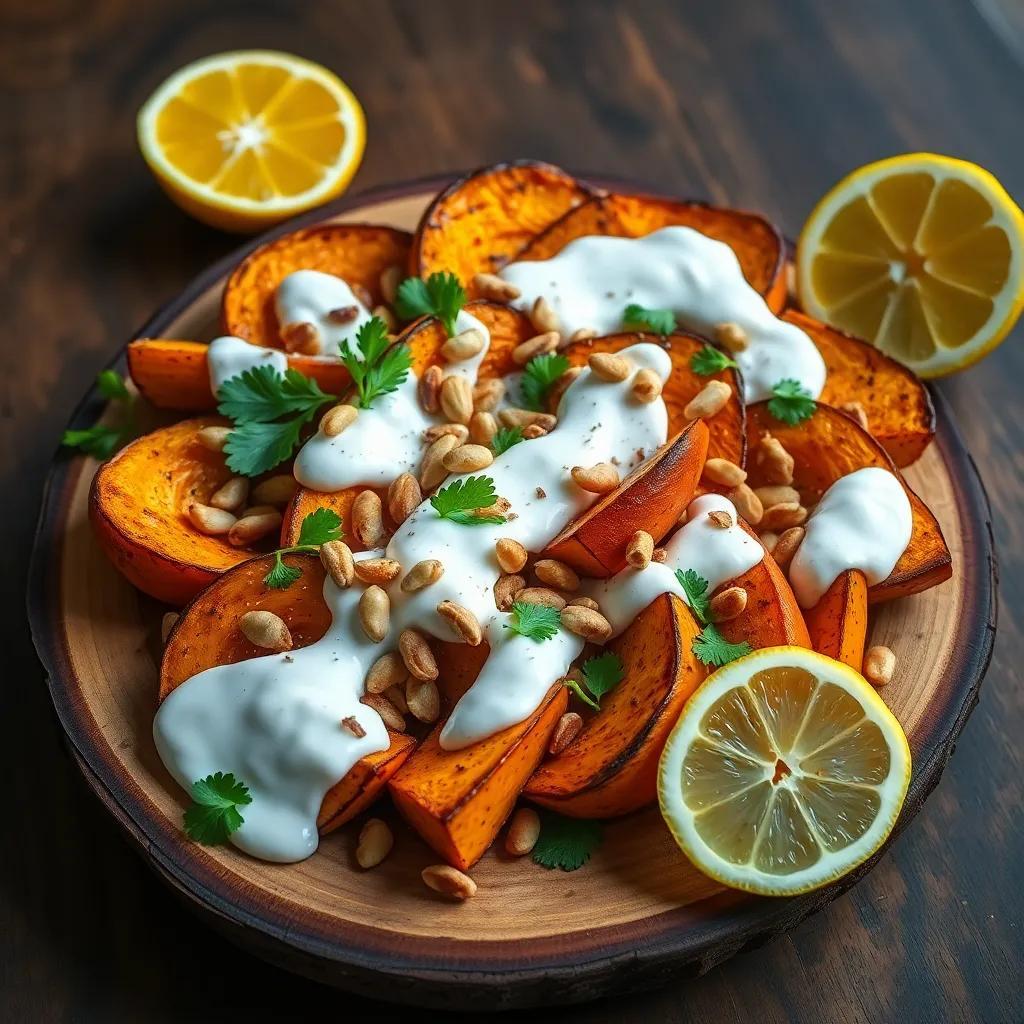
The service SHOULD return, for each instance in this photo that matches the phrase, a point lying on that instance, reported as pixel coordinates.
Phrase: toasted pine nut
(511, 554)
(856, 412)
(609, 366)
(747, 503)
(711, 399)
(506, 589)
(523, 832)
(251, 528)
(646, 386)
(375, 842)
(421, 575)
(783, 516)
(769, 540)
(256, 510)
(457, 430)
(775, 462)
(567, 729)
(640, 549)
(449, 881)
(463, 622)
(363, 295)
(337, 419)
(720, 519)
(213, 438)
(336, 558)
(403, 496)
(728, 604)
(387, 671)
(429, 388)
(582, 334)
(497, 289)
(423, 700)
(526, 418)
(343, 314)
(533, 431)
(351, 724)
(457, 399)
(659, 555)
(301, 337)
(586, 602)
(468, 458)
(390, 279)
(389, 714)
(879, 665)
(432, 469)
(367, 515)
(231, 495)
(587, 623)
(209, 520)
(377, 570)
(538, 345)
(375, 612)
(731, 336)
(541, 595)
(384, 314)
(556, 574)
(724, 473)
(275, 490)
(543, 317)
(417, 655)
(463, 346)
(266, 630)
(482, 428)
(167, 624)
(785, 547)
(776, 494)
(488, 393)
(600, 479)
(396, 693)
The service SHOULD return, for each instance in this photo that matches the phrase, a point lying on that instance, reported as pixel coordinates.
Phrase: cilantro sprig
(600, 674)
(709, 645)
(539, 374)
(710, 360)
(461, 500)
(213, 813)
(269, 410)
(505, 438)
(661, 321)
(791, 402)
(566, 843)
(441, 295)
(537, 622)
(379, 367)
(101, 441)
(319, 527)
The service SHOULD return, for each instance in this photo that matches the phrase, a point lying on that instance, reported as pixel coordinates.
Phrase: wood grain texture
(763, 105)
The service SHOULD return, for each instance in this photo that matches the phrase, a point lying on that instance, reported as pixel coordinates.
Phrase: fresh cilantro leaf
(602, 673)
(538, 622)
(791, 402)
(576, 686)
(538, 376)
(318, 527)
(459, 501)
(566, 843)
(695, 588)
(505, 438)
(440, 295)
(99, 441)
(712, 648)
(282, 575)
(253, 448)
(379, 367)
(661, 321)
(213, 814)
(111, 385)
(710, 360)
(262, 394)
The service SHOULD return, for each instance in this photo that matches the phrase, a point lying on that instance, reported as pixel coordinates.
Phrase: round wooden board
(636, 915)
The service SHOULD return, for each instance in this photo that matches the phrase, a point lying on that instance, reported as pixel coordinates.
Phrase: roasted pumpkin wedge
(611, 767)
(207, 634)
(652, 497)
(727, 438)
(480, 222)
(357, 253)
(758, 245)
(897, 404)
(138, 506)
(838, 623)
(829, 445)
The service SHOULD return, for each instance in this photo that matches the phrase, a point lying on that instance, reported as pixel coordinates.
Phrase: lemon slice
(243, 140)
(785, 771)
(919, 254)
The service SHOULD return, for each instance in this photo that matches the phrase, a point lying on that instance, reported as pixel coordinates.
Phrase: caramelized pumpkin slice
(829, 445)
(727, 438)
(838, 623)
(174, 374)
(758, 245)
(480, 222)
(207, 634)
(611, 767)
(138, 506)
(357, 253)
(306, 502)
(651, 498)
(897, 403)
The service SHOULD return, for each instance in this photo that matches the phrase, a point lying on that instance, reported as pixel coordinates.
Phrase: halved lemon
(923, 255)
(784, 772)
(243, 140)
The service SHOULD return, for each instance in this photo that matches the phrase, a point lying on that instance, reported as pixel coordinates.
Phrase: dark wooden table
(748, 102)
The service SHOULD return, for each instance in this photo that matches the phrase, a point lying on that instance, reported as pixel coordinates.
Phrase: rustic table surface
(747, 102)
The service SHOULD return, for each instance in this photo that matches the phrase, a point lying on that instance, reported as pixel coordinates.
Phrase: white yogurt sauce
(864, 522)
(308, 296)
(275, 721)
(592, 280)
(386, 440)
(716, 554)
(229, 356)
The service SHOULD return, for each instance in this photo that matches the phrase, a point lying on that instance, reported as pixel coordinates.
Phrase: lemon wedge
(243, 140)
(923, 255)
(785, 771)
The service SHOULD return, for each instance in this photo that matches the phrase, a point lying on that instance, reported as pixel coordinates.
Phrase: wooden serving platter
(636, 915)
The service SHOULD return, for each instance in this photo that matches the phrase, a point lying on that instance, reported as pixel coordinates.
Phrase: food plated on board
(558, 508)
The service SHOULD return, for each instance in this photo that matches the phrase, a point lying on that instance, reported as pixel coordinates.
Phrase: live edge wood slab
(636, 916)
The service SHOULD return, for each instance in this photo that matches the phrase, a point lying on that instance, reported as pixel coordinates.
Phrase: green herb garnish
(695, 588)
(710, 360)
(600, 675)
(440, 295)
(661, 321)
(566, 843)
(538, 376)
(710, 647)
(319, 527)
(213, 813)
(379, 367)
(102, 441)
(791, 402)
(539, 622)
(461, 500)
(505, 438)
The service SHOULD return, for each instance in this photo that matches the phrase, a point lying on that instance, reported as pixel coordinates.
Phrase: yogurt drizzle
(309, 296)
(229, 356)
